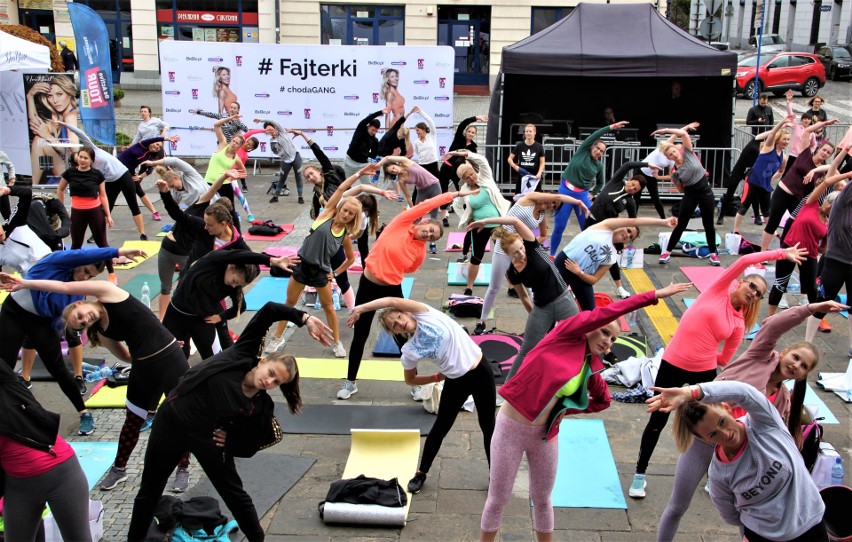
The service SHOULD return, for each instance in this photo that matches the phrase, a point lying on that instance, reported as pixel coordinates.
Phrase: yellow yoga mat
(390, 371)
(661, 316)
(151, 248)
(107, 397)
(384, 454)
(4, 293)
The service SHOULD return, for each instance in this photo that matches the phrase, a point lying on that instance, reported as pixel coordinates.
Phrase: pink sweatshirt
(712, 320)
(757, 364)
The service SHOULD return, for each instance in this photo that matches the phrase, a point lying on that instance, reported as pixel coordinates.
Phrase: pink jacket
(559, 357)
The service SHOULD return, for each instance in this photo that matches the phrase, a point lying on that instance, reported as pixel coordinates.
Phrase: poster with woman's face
(51, 100)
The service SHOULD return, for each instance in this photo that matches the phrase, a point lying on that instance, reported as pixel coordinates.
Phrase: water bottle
(794, 288)
(335, 298)
(630, 252)
(631, 319)
(145, 298)
(89, 368)
(100, 374)
(375, 177)
(837, 473)
(318, 303)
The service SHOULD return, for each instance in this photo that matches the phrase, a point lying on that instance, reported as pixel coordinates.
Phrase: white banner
(14, 123)
(321, 89)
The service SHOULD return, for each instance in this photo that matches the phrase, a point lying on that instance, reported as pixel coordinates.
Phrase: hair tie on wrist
(694, 391)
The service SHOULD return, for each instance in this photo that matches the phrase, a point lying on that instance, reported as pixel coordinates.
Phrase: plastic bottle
(145, 298)
(89, 368)
(375, 177)
(631, 319)
(837, 473)
(100, 374)
(630, 252)
(335, 298)
(318, 303)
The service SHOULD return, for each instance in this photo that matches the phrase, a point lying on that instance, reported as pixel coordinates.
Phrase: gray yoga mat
(266, 477)
(340, 419)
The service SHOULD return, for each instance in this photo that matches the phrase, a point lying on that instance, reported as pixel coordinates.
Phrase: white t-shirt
(442, 339)
(592, 249)
(656, 158)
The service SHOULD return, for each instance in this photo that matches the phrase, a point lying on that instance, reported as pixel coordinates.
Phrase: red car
(779, 72)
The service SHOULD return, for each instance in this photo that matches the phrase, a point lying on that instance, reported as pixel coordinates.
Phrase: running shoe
(251, 217)
(143, 237)
(480, 328)
(665, 257)
(87, 424)
(81, 384)
(156, 216)
(244, 186)
(433, 248)
(824, 326)
(714, 260)
(149, 421)
(275, 344)
(113, 477)
(285, 192)
(339, 351)
(181, 482)
(347, 390)
(783, 303)
(113, 278)
(416, 483)
(511, 292)
(273, 199)
(622, 293)
(25, 382)
(637, 488)
(446, 222)
(462, 259)
(468, 291)
(301, 200)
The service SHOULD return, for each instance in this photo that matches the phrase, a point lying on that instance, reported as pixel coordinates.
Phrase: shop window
(544, 17)
(362, 25)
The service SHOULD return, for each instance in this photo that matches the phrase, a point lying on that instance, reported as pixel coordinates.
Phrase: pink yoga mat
(277, 252)
(702, 277)
(455, 242)
(288, 228)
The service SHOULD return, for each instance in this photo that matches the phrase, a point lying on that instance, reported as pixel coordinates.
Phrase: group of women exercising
(220, 408)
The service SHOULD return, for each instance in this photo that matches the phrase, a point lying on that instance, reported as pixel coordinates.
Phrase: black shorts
(310, 275)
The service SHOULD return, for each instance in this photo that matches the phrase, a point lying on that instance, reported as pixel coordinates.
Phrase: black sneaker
(273, 199)
(301, 200)
(81, 385)
(512, 293)
(433, 248)
(462, 259)
(90, 240)
(468, 291)
(25, 382)
(446, 222)
(143, 237)
(416, 483)
(480, 328)
(244, 186)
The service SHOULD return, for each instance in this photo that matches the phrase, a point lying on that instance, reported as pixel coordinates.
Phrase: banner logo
(173, 92)
(350, 97)
(194, 94)
(442, 82)
(307, 113)
(171, 77)
(420, 63)
(239, 60)
(375, 97)
(421, 82)
(329, 131)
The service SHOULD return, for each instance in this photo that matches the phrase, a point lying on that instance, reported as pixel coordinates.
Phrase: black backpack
(267, 228)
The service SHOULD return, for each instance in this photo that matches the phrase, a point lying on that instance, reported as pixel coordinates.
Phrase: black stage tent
(624, 56)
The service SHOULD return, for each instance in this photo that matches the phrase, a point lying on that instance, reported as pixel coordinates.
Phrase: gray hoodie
(766, 487)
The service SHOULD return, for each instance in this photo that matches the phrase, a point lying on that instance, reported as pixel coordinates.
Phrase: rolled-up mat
(385, 345)
(39, 372)
(457, 277)
(266, 477)
(151, 249)
(364, 514)
(379, 454)
(288, 228)
(107, 397)
(586, 476)
(341, 420)
(95, 459)
(702, 277)
(266, 289)
(371, 369)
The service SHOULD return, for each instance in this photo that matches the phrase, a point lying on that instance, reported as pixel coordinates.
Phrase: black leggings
(755, 197)
(478, 382)
(479, 241)
(16, 324)
(95, 220)
(784, 270)
(668, 376)
(702, 199)
(367, 291)
(185, 327)
(817, 533)
(445, 176)
(781, 201)
(582, 290)
(835, 274)
(127, 186)
(170, 440)
(363, 247)
(652, 184)
(343, 278)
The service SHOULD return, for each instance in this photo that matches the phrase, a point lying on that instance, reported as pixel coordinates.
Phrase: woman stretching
(464, 139)
(116, 317)
(689, 177)
(655, 172)
(461, 365)
(426, 144)
(399, 250)
(530, 209)
(559, 377)
(807, 229)
(758, 480)
(197, 306)
(135, 155)
(89, 205)
(589, 255)
(768, 164)
(530, 267)
(721, 313)
(766, 369)
(584, 172)
(424, 181)
(487, 202)
(220, 410)
(224, 158)
(38, 467)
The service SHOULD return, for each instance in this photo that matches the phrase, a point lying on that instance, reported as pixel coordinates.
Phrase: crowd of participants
(730, 421)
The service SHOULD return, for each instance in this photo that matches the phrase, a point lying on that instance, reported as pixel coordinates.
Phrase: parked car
(837, 60)
(771, 43)
(779, 72)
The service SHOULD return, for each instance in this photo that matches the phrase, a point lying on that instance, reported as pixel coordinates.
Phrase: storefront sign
(206, 17)
(320, 89)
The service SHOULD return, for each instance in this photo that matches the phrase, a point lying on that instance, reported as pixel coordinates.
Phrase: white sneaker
(622, 293)
(783, 303)
(707, 486)
(339, 351)
(347, 390)
(275, 344)
(500, 400)
(637, 488)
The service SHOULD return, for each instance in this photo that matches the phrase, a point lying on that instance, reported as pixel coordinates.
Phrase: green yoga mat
(586, 476)
(95, 458)
(134, 285)
(455, 278)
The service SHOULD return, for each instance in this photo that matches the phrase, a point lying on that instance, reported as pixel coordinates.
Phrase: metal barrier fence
(744, 134)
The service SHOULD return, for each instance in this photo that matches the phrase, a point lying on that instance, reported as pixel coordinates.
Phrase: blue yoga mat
(385, 345)
(842, 299)
(96, 458)
(811, 398)
(266, 289)
(749, 336)
(586, 476)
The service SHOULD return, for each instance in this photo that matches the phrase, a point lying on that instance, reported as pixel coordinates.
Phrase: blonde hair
(505, 236)
(217, 84)
(686, 418)
(167, 174)
(386, 86)
(66, 84)
(750, 312)
(464, 169)
(403, 133)
(779, 135)
(354, 225)
(665, 146)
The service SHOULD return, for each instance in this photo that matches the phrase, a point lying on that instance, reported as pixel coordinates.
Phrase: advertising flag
(96, 107)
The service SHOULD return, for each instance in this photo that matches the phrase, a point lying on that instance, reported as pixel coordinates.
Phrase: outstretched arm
(95, 288)
(403, 305)
(523, 230)
(613, 224)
